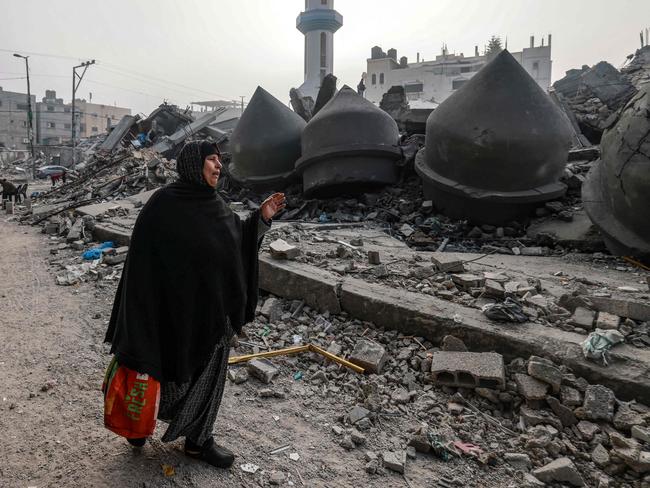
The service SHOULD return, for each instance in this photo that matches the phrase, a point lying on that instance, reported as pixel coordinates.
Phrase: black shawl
(192, 265)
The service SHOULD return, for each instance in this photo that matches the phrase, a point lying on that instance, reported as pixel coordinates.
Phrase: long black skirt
(191, 408)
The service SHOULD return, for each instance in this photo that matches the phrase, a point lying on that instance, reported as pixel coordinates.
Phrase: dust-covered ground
(51, 366)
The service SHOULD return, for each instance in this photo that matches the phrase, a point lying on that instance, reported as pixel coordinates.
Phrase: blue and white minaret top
(319, 15)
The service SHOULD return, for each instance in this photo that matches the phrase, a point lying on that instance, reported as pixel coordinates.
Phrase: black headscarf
(192, 266)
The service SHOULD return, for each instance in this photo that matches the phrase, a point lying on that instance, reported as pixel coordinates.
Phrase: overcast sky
(190, 50)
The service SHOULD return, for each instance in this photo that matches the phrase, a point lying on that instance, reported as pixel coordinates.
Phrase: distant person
(361, 87)
(8, 189)
(188, 286)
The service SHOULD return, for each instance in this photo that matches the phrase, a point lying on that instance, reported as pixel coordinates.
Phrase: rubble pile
(504, 295)
(595, 95)
(531, 416)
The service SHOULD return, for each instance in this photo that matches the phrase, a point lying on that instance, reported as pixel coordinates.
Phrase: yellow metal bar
(268, 354)
(336, 359)
(297, 350)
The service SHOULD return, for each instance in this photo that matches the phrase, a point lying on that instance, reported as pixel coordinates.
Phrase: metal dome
(266, 143)
(350, 146)
(494, 148)
(616, 194)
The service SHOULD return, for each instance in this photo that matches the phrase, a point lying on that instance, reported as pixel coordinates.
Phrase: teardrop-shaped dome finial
(266, 143)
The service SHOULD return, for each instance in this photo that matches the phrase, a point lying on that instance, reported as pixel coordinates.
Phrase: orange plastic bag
(131, 401)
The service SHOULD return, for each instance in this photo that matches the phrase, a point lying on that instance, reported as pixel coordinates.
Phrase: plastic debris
(297, 376)
(508, 311)
(96, 252)
(599, 342)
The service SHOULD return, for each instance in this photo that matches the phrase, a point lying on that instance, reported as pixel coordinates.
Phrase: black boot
(137, 442)
(209, 452)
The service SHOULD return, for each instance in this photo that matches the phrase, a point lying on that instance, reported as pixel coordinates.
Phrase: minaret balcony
(319, 19)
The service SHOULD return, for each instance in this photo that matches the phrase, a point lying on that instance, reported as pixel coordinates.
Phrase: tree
(494, 47)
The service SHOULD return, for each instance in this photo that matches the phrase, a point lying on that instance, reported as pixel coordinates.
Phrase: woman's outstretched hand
(272, 205)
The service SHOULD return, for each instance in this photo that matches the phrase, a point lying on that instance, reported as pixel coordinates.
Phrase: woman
(189, 284)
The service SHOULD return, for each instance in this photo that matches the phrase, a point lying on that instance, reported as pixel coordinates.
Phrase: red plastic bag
(131, 401)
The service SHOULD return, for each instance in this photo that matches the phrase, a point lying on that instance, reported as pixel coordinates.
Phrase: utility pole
(30, 125)
(242, 103)
(75, 85)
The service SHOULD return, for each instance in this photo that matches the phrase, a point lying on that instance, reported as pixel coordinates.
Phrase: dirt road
(51, 432)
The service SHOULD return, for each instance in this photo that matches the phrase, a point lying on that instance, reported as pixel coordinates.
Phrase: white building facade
(433, 81)
(318, 23)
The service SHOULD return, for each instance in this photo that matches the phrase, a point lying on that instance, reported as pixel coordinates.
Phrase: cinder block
(369, 355)
(447, 264)
(469, 369)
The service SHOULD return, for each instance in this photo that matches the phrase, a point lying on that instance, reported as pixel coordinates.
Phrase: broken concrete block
(238, 376)
(530, 388)
(561, 470)
(518, 460)
(452, 343)
(468, 369)
(358, 413)
(545, 371)
(599, 403)
(373, 257)
(607, 321)
(587, 430)
(281, 249)
(493, 289)
(583, 318)
(565, 414)
(467, 281)
(626, 418)
(395, 461)
(75, 232)
(446, 264)
(112, 260)
(600, 456)
(420, 443)
(369, 355)
(623, 307)
(262, 369)
(531, 417)
(641, 433)
(570, 396)
(272, 309)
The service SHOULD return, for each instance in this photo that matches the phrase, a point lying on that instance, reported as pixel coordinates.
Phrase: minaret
(318, 23)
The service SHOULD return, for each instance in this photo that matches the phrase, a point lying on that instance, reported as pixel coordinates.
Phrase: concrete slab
(130, 203)
(580, 233)
(420, 315)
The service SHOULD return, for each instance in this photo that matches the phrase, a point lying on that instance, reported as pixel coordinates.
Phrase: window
(67, 126)
(25, 123)
(22, 106)
(323, 2)
(323, 50)
(414, 88)
(0, 103)
(374, 78)
(456, 84)
(66, 110)
(536, 69)
(51, 125)
(381, 78)
(465, 69)
(50, 108)
(95, 129)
